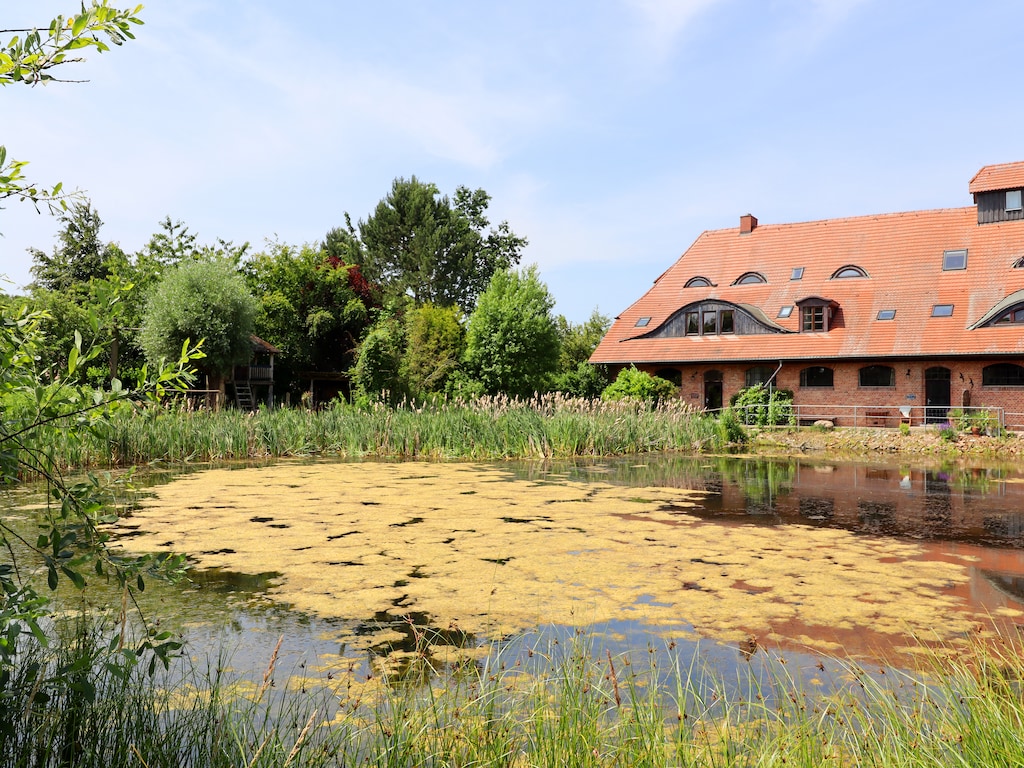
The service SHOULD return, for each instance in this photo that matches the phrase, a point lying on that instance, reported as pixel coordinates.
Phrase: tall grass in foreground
(563, 706)
(488, 428)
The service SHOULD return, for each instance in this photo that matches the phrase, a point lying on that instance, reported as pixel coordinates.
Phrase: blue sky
(610, 133)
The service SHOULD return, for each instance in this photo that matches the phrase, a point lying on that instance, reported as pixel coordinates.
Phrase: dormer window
(812, 319)
(750, 278)
(815, 314)
(1013, 201)
(850, 270)
(698, 282)
(952, 260)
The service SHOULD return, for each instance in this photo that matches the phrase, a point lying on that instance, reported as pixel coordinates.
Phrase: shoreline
(864, 443)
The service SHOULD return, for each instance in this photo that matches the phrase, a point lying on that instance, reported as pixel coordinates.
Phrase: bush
(730, 428)
(763, 406)
(638, 385)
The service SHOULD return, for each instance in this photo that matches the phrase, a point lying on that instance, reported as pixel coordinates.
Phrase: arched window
(698, 282)
(816, 376)
(760, 374)
(1013, 316)
(1002, 375)
(750, 278)
(850, 270)
(878, 376)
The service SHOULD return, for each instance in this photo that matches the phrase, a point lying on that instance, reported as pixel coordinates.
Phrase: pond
(360, 564)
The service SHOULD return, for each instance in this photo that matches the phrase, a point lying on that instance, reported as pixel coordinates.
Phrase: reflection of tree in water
(817, 508)
(938, 505)
(877, 516)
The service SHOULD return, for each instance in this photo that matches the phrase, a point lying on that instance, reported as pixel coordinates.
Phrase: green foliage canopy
(200, 300)
(638, 385)
(512, 341)
(431, 248)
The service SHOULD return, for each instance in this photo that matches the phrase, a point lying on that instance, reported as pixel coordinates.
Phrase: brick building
(899, 315)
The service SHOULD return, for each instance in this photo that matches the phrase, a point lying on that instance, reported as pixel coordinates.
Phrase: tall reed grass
(489, 428)
(557, 706)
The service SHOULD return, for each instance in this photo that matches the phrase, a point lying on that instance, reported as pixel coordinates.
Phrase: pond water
(357, 565)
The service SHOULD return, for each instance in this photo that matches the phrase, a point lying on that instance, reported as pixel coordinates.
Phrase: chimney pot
(748, 224)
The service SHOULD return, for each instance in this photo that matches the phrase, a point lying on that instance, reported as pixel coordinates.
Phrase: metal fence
(894, 415)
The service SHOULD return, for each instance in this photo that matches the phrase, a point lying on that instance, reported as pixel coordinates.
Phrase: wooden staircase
(243, 396)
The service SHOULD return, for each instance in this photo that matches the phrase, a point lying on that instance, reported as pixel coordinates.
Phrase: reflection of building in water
(967, 504)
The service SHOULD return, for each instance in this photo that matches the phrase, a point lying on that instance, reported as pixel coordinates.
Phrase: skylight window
(952, 260)
(942, 310)
(785, 311)
(798, 273)
(886, 314)
(1013, 202)
(642, 322)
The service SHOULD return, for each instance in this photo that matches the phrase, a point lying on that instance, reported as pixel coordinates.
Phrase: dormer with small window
(816, 314)
(997, 191)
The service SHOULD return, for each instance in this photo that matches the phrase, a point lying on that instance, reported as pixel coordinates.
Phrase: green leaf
(51, 577)
(140, 583)
(76, 578)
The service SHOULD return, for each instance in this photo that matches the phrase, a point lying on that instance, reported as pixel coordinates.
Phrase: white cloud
(663, 21)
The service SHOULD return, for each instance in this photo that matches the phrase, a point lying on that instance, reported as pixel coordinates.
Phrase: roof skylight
(942, 310)
(952, 260)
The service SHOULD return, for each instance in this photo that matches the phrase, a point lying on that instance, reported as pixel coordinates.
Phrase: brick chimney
(748, 224)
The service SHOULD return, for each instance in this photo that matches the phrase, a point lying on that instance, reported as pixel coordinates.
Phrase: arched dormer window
(1012, 316)
(850, 270)
(750, 278)
(1002, 375)
(698, 282)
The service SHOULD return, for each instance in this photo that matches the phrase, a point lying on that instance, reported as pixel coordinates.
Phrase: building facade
(869, 319)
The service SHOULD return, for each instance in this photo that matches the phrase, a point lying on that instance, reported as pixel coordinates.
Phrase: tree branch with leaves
(31, 56)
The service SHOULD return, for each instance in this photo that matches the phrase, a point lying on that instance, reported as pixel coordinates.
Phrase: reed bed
(489, 428)
(558, 706)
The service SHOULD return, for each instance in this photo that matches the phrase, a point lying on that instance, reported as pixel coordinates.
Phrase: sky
(609, 133)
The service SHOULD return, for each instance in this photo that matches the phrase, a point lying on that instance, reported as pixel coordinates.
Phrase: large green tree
(79, 256)
(512, 343)
(205, 301)
(313, 305)
(420, 244)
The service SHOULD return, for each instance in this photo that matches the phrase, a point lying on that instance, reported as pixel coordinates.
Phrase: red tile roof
(902, 254)
(993, 178)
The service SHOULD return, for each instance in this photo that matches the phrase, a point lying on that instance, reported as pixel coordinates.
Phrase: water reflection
(977, 504)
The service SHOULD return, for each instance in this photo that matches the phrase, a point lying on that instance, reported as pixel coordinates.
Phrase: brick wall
(909, 389)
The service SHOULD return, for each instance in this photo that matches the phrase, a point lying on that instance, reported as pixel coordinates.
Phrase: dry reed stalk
(269, 674)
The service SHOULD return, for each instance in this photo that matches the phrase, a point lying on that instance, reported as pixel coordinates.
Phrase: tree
(435, 343)
(32, 56)
(419, 244)
(314, 306)
(377, 373)
(512, 341)
(201, 300)
(80, 255)
(576, 375)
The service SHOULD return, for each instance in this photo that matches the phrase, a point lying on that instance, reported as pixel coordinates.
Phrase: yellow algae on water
(486, 554)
